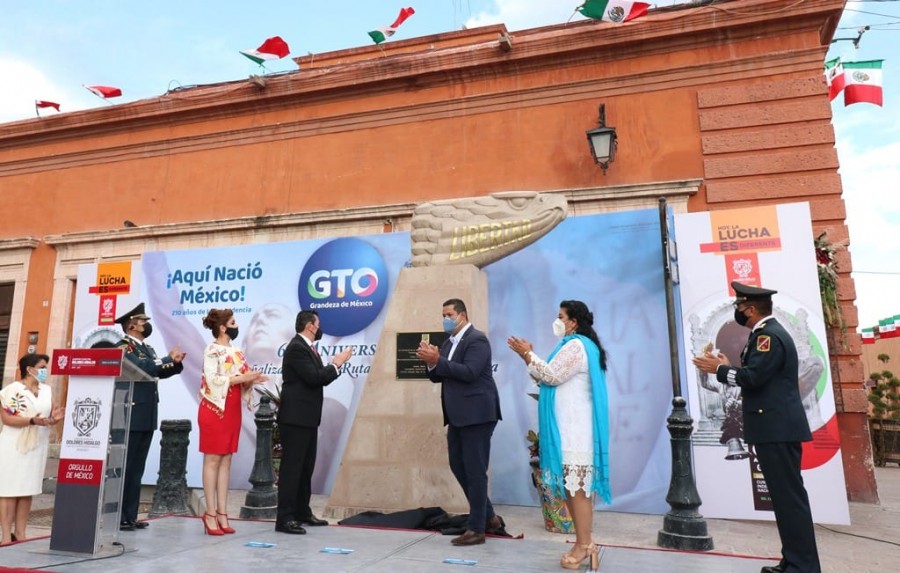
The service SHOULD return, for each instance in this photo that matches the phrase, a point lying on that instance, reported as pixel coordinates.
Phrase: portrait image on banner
(769, 246)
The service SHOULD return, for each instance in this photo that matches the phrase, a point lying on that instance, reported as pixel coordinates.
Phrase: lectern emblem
(87, 416)
(62, 360)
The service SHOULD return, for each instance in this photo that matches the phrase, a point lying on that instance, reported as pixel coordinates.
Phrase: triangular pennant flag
(862, 82)
(834, 77)
(273, 48)
(381, 34)
(42, 103)
(104, 91)
(615, 11)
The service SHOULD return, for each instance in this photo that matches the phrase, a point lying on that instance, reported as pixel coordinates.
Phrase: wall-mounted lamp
(602, 140)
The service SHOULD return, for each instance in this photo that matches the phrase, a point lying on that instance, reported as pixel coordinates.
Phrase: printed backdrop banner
(609, 261)
(770, 246)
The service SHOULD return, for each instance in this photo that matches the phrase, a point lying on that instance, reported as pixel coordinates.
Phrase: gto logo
(345, 282)
(363, 282)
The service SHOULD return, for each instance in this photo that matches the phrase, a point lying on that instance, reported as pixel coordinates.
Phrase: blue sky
(50, 48)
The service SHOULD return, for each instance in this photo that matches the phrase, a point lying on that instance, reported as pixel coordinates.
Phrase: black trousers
(298, 461)
(780, 463)
(469, 449)
(135, 460)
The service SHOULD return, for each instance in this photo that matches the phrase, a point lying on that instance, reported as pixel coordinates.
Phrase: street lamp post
(683, 526)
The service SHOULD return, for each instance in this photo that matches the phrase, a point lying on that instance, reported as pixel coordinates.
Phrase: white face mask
(559, 329)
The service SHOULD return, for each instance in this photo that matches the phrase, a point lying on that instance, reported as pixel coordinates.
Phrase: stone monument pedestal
(396, 455)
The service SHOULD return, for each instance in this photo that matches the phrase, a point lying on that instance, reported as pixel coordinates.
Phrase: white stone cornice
(20, 243)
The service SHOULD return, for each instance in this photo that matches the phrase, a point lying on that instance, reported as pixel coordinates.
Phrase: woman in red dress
(227, 380)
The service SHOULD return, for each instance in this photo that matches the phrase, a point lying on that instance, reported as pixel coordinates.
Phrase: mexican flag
(834, 77)
(886, 328)
(42, 103)
(615, 11)
(104, 91)
(381, 34)
(273, 48)
(868, 335)
(863, 82)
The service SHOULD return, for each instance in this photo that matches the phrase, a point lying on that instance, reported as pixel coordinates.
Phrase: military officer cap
(136, 313)
(744, 293)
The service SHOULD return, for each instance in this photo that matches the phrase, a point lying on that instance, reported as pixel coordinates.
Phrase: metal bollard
(262, 499)
(171, 495)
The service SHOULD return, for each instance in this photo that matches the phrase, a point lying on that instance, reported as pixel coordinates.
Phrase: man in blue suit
(471, 406)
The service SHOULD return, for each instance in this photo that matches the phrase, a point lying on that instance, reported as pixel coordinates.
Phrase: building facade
(715, 107)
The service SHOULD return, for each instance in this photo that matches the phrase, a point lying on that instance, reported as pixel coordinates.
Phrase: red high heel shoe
(224, 528)
(211, 530)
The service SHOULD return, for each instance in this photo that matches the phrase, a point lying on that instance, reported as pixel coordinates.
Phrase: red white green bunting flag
(273, 48)
(834, 77)
(862, 82)
(104, 91)
(381, 34)
(42, 103)
(868, 335)
(615, 11)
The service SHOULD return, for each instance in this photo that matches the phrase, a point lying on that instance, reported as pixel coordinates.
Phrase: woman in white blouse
(573, 421)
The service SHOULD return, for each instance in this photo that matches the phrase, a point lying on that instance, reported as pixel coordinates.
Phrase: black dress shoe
(141, 525)
(773, 568)
(495, 523)
(313, 520)
(126, 526)
(293, 527)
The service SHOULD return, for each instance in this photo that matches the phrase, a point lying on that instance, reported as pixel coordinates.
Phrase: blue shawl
(549, 442)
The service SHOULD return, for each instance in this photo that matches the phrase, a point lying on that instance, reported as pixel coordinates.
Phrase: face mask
(232, 332)
(41, 375)
(148, 330)
(318, 335)
(449, 325)
(740, 317)
(559, 328)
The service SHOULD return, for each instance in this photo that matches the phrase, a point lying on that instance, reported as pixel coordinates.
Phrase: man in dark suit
(774, 421)
(304, 378)
(144, 409)
(471, 406)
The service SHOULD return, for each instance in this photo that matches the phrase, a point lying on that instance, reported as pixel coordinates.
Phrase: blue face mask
(449, 325)
(41, 375)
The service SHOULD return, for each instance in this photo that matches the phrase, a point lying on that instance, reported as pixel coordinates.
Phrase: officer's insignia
(87, 416)
(763, 343)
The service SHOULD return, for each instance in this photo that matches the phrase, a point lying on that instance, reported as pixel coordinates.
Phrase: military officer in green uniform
(774, 421)
(144, 400)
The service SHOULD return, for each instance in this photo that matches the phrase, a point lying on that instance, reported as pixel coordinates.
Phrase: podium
(91, 472)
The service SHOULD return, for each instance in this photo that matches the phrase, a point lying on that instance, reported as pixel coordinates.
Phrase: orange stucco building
(715, 107)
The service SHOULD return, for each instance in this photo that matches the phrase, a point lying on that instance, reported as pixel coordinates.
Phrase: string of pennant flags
(859, 81)
(887, 328)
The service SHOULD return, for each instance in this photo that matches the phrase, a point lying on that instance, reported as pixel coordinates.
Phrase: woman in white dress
(26, 409)
(573, 421)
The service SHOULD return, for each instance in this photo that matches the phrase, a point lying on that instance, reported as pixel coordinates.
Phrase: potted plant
(884, 418)
(553, 508)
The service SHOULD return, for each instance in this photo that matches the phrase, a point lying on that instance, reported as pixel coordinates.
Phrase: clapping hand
(342, 357)
(521, 347)
(177, 355)
(429, 353)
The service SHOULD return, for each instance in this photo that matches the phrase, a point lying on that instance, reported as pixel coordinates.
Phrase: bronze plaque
(409, 366)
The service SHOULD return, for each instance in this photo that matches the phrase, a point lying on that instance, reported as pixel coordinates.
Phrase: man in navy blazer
(471, 406)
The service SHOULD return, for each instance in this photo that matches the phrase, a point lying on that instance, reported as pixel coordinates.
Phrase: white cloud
(25, 83)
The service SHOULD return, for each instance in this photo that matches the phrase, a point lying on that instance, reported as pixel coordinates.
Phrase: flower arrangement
(827, 267)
